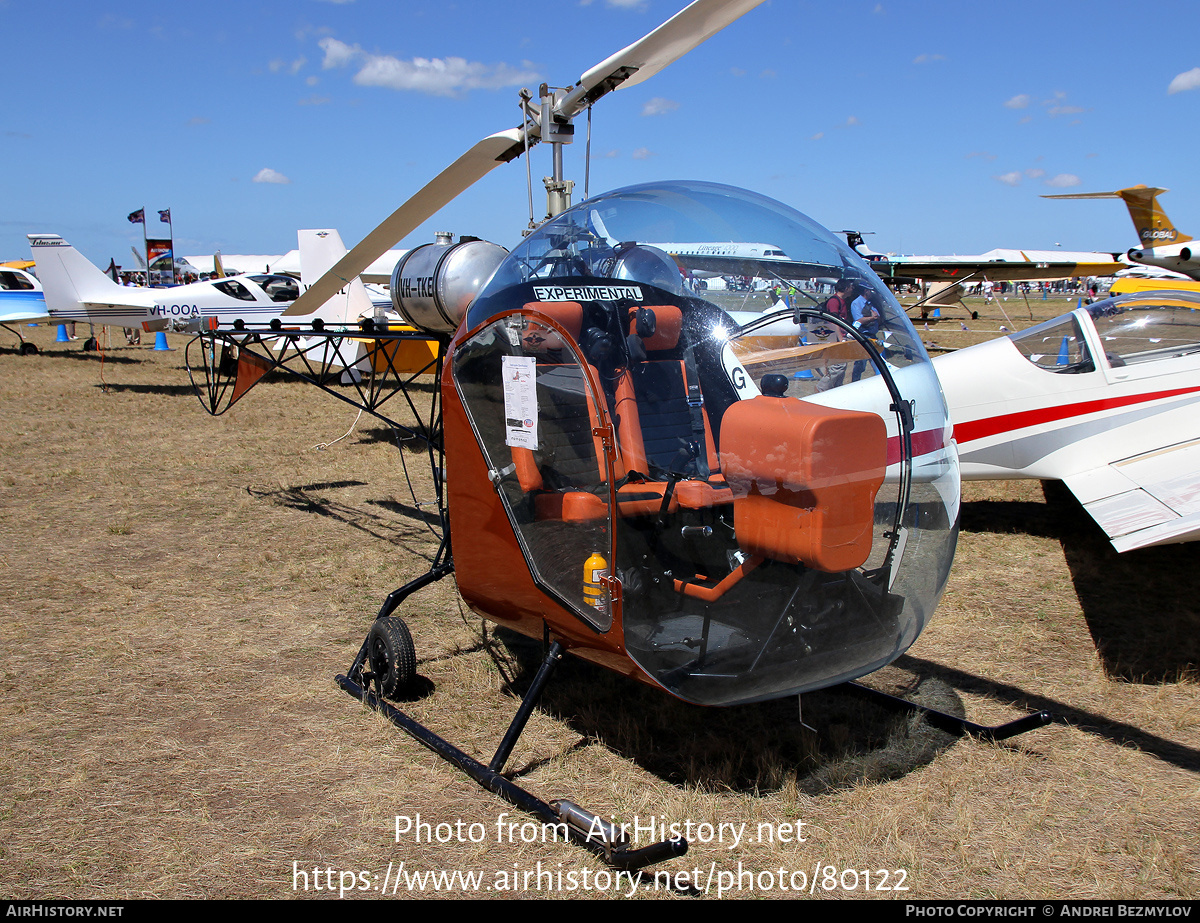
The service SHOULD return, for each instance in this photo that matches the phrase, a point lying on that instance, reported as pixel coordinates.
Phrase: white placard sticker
(520, 402)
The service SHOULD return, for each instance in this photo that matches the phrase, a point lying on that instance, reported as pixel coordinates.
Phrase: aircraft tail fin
(1149, 220)
(68, 278)
(319, 251)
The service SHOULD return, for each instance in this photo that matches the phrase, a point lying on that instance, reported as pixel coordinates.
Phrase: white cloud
(926, 58)
(435, 76)
(607, 155)
(1063, 180)
(1020, 101)
(643, 153)
(659, 105)
(267, 175)
(1188, 80)
(628, 4)
(337, 54)
(198, 120)
(986, 155)
(293, 68)
(1010, 179)
(852, 120)
(314, 100)
(817, 137)
(1035, 173)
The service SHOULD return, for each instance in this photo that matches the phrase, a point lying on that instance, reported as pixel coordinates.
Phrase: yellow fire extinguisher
(595, 568)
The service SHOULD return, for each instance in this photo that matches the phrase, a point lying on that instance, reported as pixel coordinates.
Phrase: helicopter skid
(567, 819)
(952, 724)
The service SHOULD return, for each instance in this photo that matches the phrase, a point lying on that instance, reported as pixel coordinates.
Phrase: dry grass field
(177, 593)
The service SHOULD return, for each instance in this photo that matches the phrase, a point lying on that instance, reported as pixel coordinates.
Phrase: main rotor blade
(688, 28)
(644, 58)
(476, 163)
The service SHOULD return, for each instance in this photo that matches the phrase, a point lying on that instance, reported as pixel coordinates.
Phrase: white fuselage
(1105, 399)
(21, 297)
(1014, 419)
(1182, 258)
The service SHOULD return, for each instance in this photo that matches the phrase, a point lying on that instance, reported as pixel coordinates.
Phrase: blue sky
(935, 124)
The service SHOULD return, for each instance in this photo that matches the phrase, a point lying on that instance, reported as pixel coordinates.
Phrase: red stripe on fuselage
(1005, 423)
(923, 443)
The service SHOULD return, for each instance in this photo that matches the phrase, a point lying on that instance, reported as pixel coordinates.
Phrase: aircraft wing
(991, 270)
(1148, 499)
(767, 268)
(754, 357)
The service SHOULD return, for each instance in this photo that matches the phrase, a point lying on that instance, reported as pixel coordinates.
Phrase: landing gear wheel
(393, 657)
(29, 349)
(90, 345)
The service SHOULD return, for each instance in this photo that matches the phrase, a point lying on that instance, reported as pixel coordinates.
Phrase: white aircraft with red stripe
(1105, 399)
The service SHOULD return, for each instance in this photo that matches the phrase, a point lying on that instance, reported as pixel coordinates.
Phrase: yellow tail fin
(1151, 222)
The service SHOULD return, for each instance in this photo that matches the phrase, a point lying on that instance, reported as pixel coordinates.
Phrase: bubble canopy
(717, 439)
(720, 230)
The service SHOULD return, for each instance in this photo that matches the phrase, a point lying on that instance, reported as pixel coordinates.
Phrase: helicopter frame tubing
(233, 361)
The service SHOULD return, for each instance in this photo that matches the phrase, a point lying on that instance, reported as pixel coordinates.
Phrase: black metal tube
(435, 573)
(952, 724)
(629, 860)
(521, 718)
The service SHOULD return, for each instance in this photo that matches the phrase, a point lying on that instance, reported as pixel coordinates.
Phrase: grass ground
(177, 592)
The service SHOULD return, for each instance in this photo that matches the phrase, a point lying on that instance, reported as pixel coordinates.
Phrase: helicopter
(728, 505)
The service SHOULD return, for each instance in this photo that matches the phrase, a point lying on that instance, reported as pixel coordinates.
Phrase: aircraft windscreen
(1146, 327)
(1056, 346)
(278, 288)
(13, 281)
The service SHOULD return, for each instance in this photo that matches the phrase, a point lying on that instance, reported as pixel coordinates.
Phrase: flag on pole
(138, 217)
(164, 215)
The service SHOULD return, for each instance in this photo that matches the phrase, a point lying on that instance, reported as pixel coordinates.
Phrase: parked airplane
(1105, 399)
(1162, 245)
(21, 301)
(998, 265)
(378, 273)
(76, 290)
(947, 274)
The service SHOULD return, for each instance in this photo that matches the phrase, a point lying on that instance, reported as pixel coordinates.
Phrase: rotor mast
(557, 129)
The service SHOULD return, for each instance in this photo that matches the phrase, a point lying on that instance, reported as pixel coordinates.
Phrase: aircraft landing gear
(26, 348)
(388, 651)
(952, 724)
(90, 345)
(392, 655)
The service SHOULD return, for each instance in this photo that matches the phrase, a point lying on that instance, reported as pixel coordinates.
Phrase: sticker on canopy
(520, 402)
(742, 383)
(612, 292)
